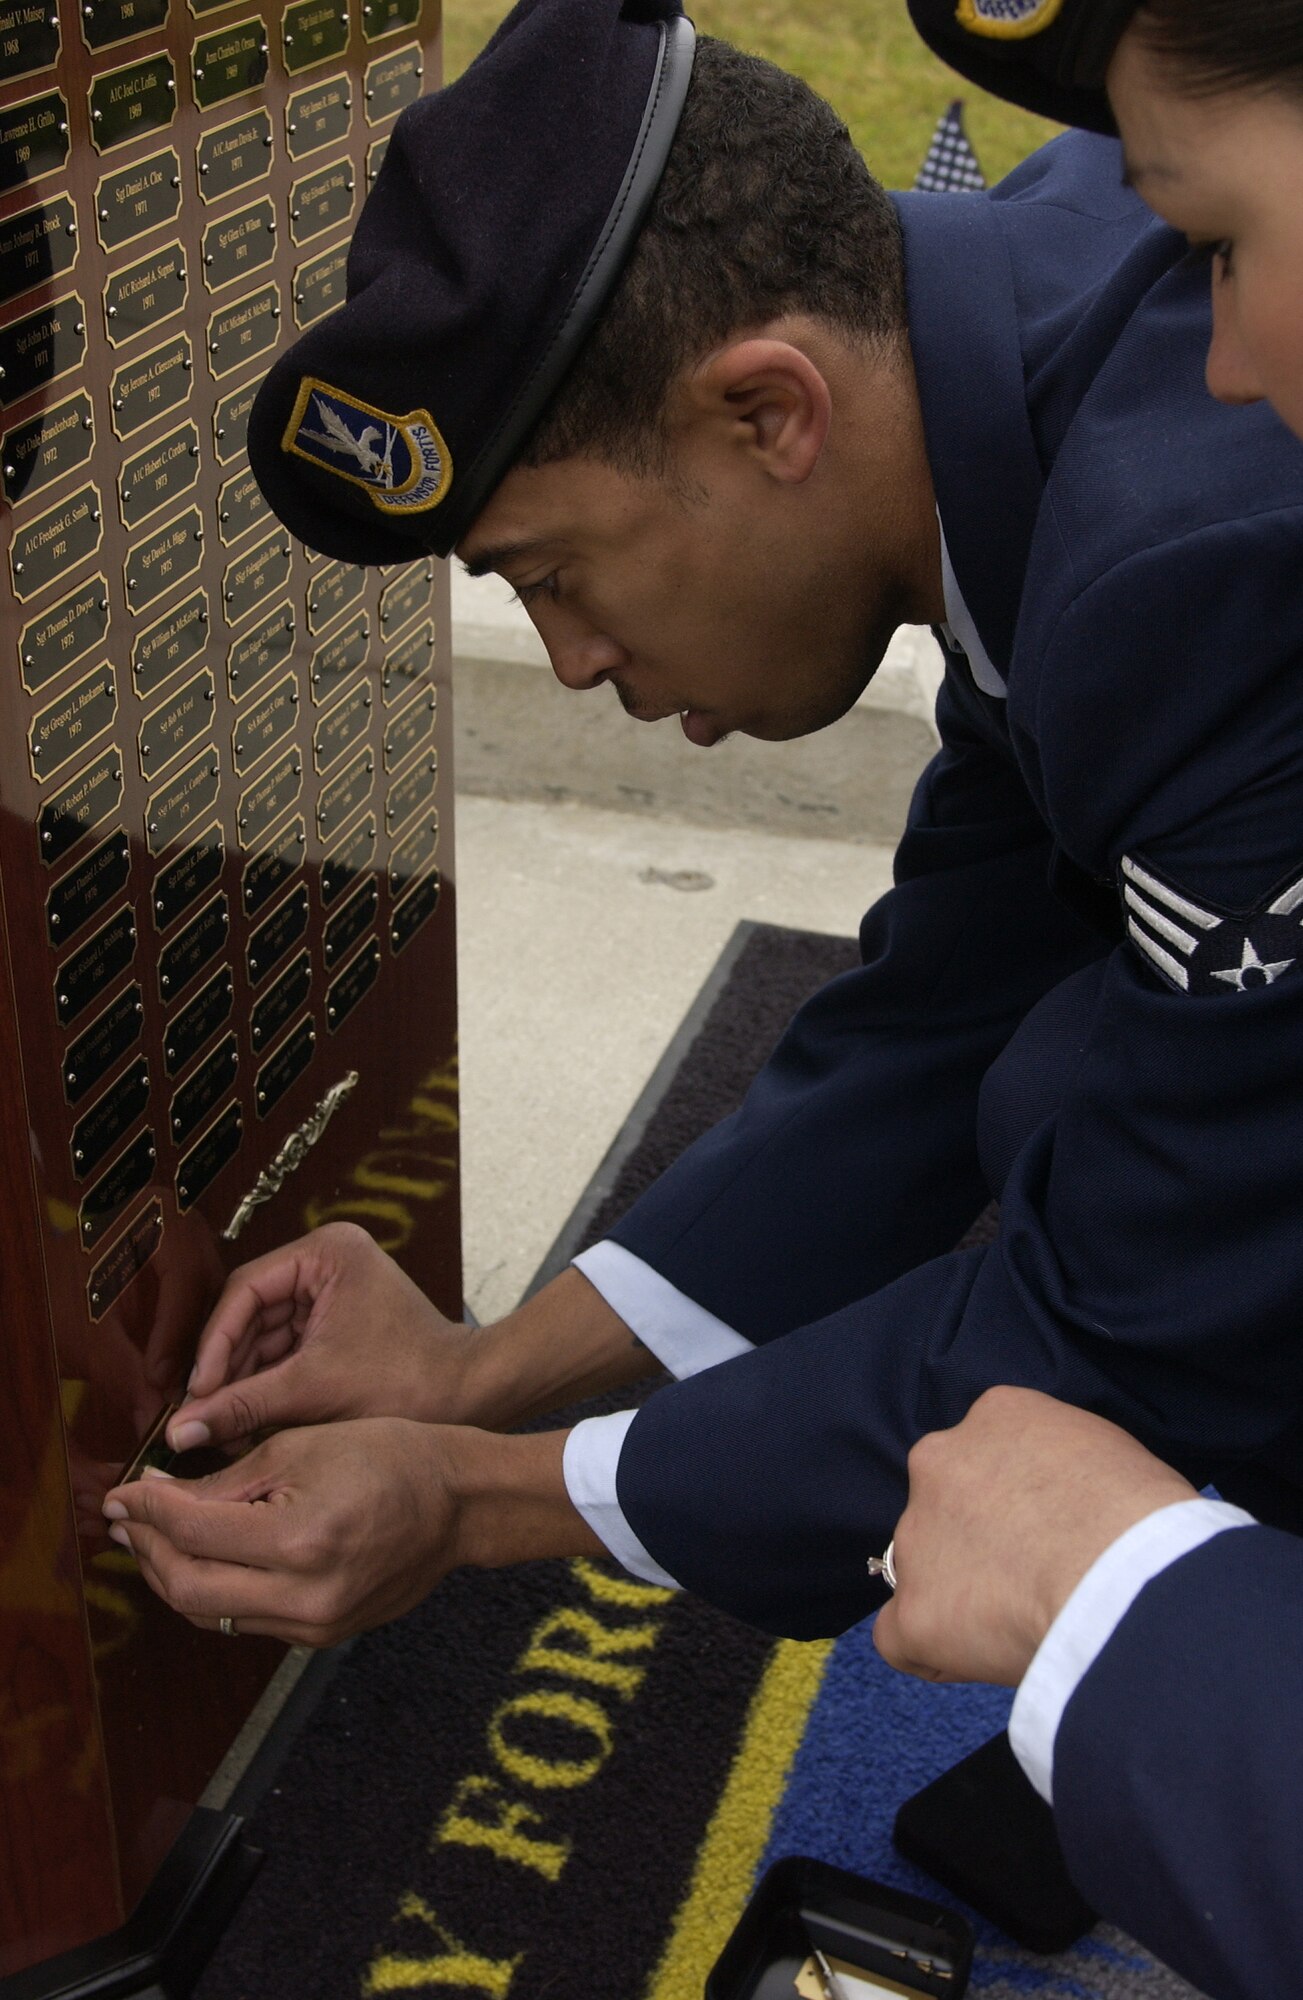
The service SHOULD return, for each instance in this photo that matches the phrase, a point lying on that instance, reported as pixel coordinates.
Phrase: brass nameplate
(29, 38)
(151, 385)
(177, 724)
(145, 294)
(192, 1103)
(332, 590)
(353, 983)
(240, 507)
(375, 159)
(285, 1067)
(82, 803)
(321, 200)
(169, 644)
(269, 799)
(184, 880)
(51, 544)
(239, 331)
(342, 797)
(138, 198)
(414, 910)
(392, 82)
(348, 923)
(339, 659)
(264, 725)
(36, 245)
(385, 17)
(126, 103)
(62, 634)
(231, 420)
(237, 245)
(409, 662)
(124, 1180)
(98, 1047)
(406, 597)
(273, 865)
(410, 792)
(33, 139)
(200, 1168)
(320, 285)
(348, 860)
(414, 854)
(313, 31)
(130, 1254)
(235, 155)
(411, 727)
(42, 346)
(260, 652)
(63, 729)
(321, 114)
(96, 1134)
(280, 1001)
(193, 948)
(228, 62)
(47, 447)
(104, 22)
(94, 965)
(164, 559)
(260, 573)
(84, 891)
(341, 727)
(173, 809)
(276, 934)
(159, 474)
(198, 1021)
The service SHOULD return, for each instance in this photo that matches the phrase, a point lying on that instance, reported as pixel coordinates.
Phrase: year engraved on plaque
(406, 597)
(277, 934)
(341, 727)
(269, 799)
(159, 474)
(333, 590)
(145, 294)
(414, 910)
(240, 508)
(252, 578)
(200, 1168)
(319, 115)
(313, 32)
(56, 542)
(342, 797)
(264, 725)
(138, 198)
(65, 728)
(264, 648)
(93, 966)
(82, 893)
(352, 985)
(164, 558)
(407, 664)
(231, 421)
(193, 948)
(184, 880)
(339, 659)
(176, 725)
(193, 1102)
(392, 82)
(98, 1132)
(170, 643)
(385, 17)
(81, 804)
(238, 245)
(280, 1001)
(36, 245)
(98, 1047)
(55, 442)
(104, 22)
(229, 62)
(151, 385)
(285, 1067)
(119, 1265)
(64, 633)
(127, 102)
(33, 139)
(410, 728)
(198, 1021)
(342, 867)
(410, 792)
(42, 346)
(172, 810)
(29, 38)
(347, 925)
(124, 1180)
(321, 200)
(273, 866)
(237, 332)
(233, 156)
(320, 285)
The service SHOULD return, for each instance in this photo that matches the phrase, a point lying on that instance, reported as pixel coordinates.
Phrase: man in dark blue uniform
(1084, 994)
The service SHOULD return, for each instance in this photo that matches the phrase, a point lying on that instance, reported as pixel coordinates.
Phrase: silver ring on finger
(228, 1628)
(885, 1565)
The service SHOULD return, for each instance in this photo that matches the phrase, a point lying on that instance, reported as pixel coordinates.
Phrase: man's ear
(767, 399)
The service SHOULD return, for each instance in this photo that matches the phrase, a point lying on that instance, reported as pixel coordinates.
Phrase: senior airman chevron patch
(1201, 950)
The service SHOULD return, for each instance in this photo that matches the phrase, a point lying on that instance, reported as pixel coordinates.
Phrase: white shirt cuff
(683, 1336)
(591, 1455)
(1091, 1616)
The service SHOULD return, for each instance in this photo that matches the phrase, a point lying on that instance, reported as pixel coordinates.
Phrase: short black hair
(1222, 45)
(765, 208)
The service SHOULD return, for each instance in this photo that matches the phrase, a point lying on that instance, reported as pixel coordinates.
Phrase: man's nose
(1230, 373)
(581, 656)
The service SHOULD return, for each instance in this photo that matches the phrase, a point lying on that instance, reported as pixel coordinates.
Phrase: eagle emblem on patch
(1202, 950)
(402, 463)
(1007, 20)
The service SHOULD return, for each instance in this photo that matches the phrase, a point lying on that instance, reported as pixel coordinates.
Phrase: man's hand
(321, 1533)
(1006, 1514)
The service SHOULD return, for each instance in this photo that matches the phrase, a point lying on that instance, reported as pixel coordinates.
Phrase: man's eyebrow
(499, 557)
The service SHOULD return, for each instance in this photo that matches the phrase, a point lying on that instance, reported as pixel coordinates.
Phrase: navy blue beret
(1047, 55)
(504, 211)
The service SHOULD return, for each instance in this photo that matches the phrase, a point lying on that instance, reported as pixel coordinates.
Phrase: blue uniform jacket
(1084, 993)
(1178, 1771)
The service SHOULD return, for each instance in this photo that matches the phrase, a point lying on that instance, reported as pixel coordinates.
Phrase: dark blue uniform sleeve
(1178, 1768)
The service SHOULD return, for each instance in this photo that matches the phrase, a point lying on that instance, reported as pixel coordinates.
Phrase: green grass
(862, 55)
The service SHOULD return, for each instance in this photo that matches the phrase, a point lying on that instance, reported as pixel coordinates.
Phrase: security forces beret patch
(502, 215)
(1201, 950)
(1049, 56)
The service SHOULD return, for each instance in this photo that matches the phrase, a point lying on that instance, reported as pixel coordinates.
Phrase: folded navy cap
(505, 208)
(1047, 55)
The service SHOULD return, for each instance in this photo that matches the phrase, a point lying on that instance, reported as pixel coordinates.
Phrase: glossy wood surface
(114, 1712)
